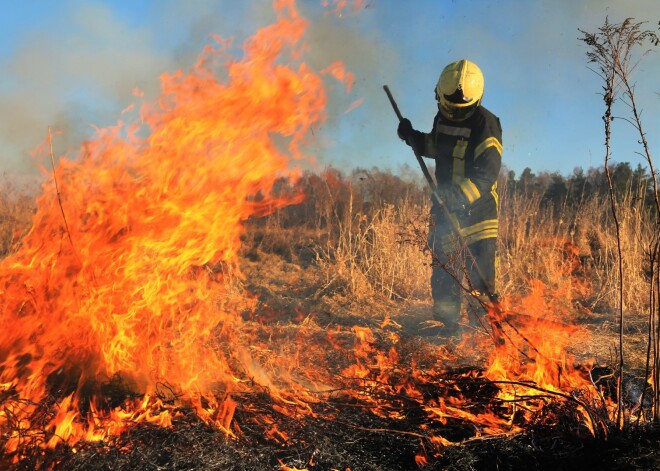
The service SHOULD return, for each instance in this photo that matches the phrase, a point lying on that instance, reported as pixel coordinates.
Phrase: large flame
(127, 267)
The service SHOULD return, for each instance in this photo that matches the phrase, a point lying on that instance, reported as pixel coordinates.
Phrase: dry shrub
(366, 232)
(377, 253)
(359, 230)
(16, 209)
(573, 245)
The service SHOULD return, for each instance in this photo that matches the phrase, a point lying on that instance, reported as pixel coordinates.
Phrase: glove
(454, 199)
(405, 129)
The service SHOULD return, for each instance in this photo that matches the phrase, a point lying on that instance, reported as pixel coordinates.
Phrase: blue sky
(74, 63)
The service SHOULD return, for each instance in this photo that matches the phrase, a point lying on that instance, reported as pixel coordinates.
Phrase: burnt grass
(354, 440)
(345, 433)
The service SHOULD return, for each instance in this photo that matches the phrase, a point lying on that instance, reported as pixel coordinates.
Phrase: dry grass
(16, 209)
(360, 244)
(366, 238)
(377, 249)
(574, 245)
(377, 253)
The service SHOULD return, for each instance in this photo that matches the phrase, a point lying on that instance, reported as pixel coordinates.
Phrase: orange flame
(338, 71)
(354, 105)
(341, 5)
(136, 278)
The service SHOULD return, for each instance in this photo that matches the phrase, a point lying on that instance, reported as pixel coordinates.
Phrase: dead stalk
(654, 248)
(609, 99)
(57, 190)
(611, 49)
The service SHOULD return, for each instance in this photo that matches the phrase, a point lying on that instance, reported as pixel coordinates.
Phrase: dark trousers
(477, 264)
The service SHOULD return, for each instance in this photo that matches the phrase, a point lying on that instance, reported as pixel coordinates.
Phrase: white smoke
(81, 69)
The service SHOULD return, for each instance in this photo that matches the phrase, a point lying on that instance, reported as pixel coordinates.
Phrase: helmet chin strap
(468, 113)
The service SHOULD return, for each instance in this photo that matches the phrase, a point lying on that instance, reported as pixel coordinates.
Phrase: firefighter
(466, 144)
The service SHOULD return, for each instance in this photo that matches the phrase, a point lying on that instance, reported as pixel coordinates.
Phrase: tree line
(329, 191)
(557, 189)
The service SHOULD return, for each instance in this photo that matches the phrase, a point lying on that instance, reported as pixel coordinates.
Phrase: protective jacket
(468, 157)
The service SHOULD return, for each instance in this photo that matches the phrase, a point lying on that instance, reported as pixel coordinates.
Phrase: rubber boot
(480, 304)
(449, 313)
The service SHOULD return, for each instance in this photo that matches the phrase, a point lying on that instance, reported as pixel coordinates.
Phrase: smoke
(81, 70)
(78, 68)
(78, 72)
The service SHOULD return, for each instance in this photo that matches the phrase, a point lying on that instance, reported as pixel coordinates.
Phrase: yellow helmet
(459, 90)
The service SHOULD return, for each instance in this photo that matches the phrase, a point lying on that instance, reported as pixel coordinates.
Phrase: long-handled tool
(493, 314)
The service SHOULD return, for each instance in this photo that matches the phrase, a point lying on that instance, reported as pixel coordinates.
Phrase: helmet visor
(456, 111)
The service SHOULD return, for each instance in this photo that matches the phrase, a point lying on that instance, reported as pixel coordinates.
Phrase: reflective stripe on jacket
(468, 156)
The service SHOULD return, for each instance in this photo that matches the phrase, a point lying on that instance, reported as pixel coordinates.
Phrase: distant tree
(511, 176)
(556, 190)
(508, 182)
(527, 181)
(621, 179)
(578, 186)
(642, 185)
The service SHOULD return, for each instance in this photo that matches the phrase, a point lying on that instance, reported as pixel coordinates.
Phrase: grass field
(336, 296)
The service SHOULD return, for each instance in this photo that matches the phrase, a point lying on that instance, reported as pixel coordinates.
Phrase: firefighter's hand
(405, 129)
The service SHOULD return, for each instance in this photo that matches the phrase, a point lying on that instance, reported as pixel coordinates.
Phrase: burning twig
(382, 430)
(595, 420)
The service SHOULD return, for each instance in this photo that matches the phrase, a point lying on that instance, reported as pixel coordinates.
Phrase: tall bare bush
(613, 52)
